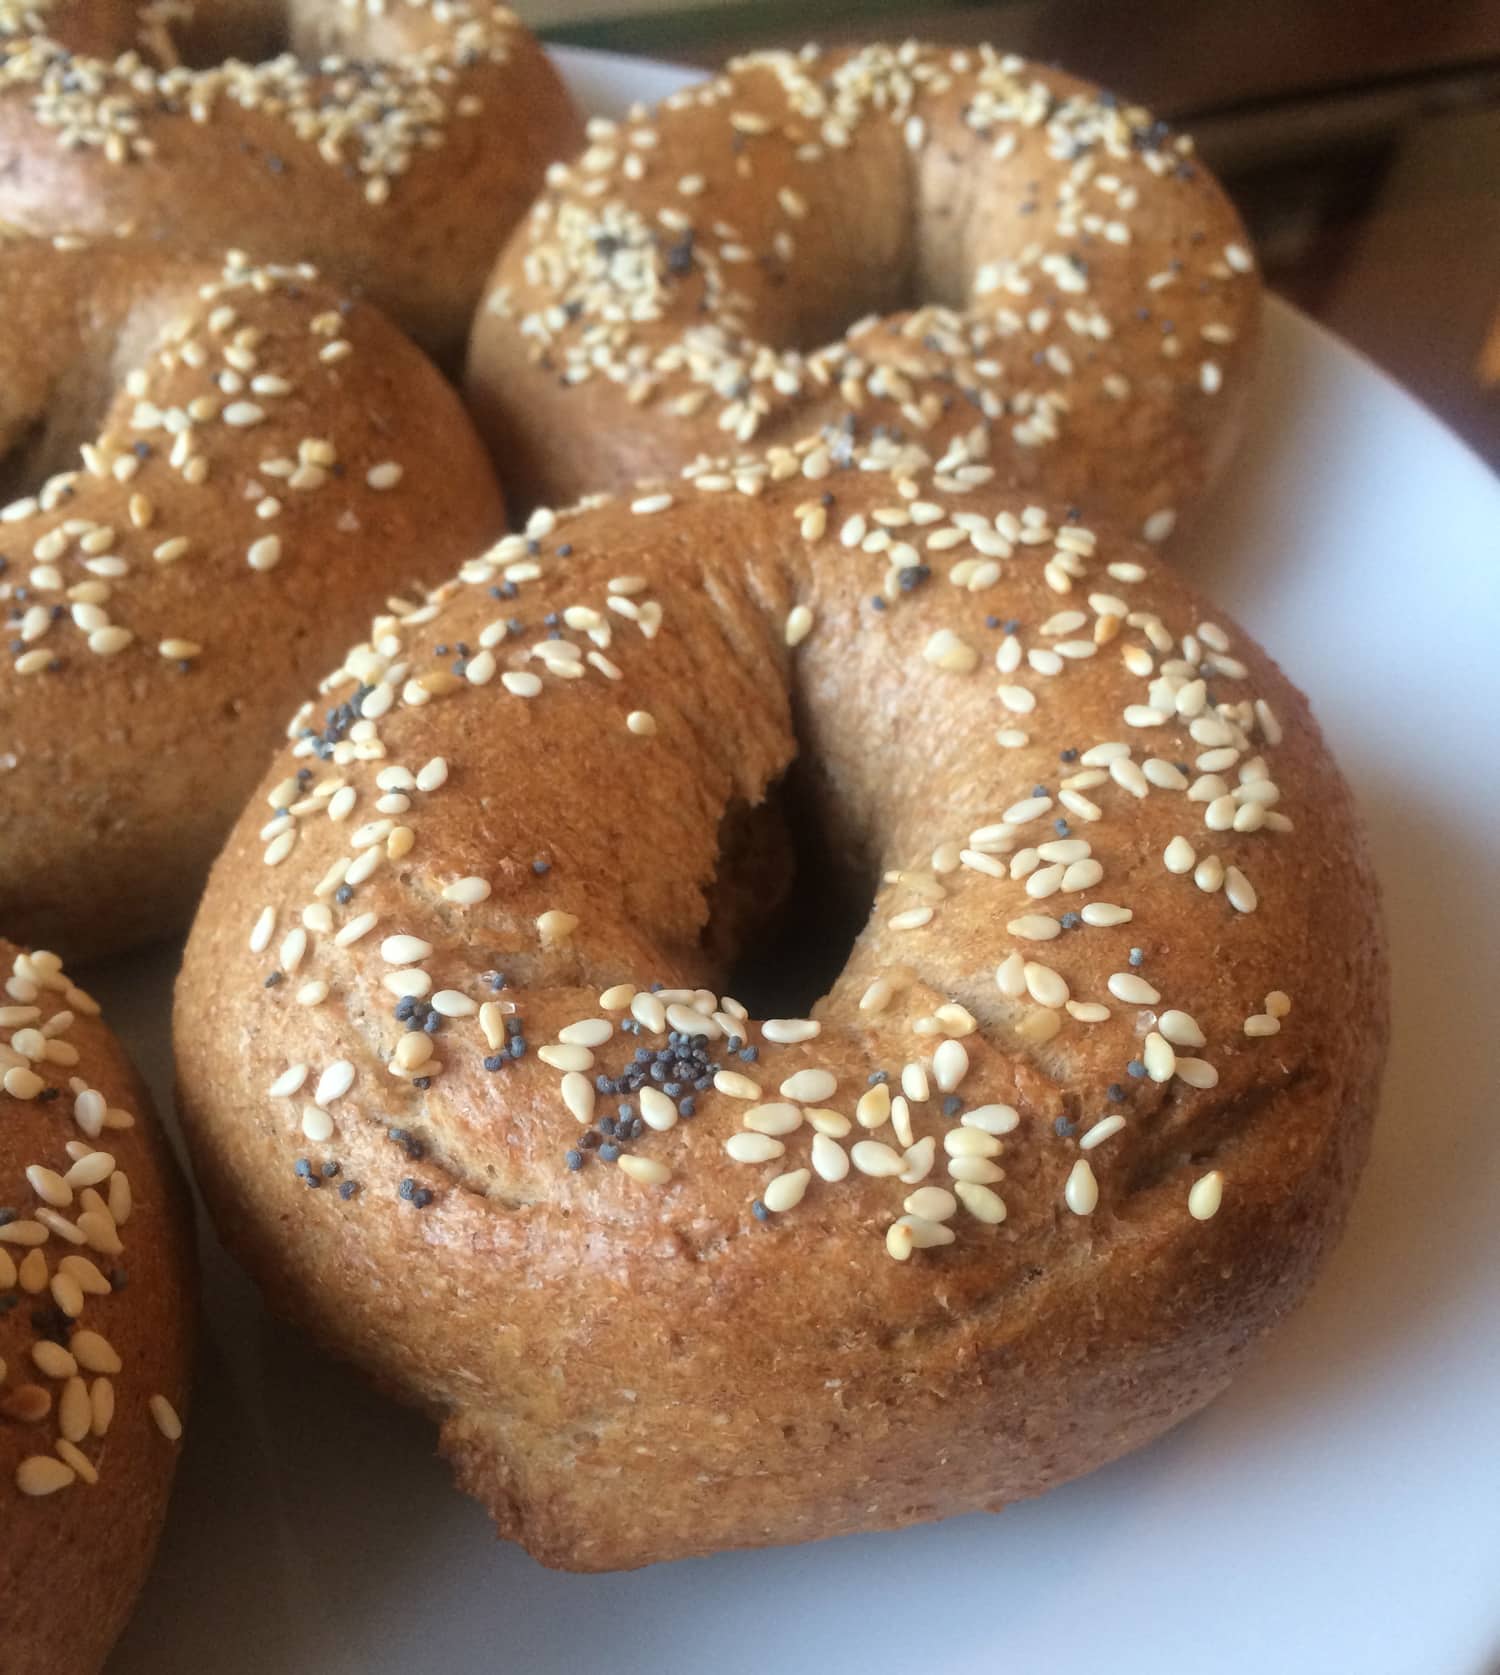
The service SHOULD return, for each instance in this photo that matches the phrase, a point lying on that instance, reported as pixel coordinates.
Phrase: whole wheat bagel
(1018, 247)
(1074, 1125)
(96, 1323)
(393, 144)
(218, 472)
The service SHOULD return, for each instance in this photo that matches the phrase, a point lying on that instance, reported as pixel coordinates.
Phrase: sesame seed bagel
(96, 1323)
(1023, 249)
(219, 472)
(1075, 1124)
(394, 144)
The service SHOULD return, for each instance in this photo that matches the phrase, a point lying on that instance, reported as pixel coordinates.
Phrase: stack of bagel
(845, 409)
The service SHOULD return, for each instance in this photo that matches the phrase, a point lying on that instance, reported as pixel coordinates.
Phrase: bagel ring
(1085, 1075)
(216, 471)
(391, 145)
(97, 1290)
(1035, 267)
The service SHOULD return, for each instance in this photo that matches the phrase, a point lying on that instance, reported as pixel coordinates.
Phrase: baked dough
(394, 145)
(894, 241)
(1075, 1124)
(96, 1323)
(218, 472)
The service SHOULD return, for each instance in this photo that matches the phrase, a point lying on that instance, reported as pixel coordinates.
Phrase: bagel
(394, 145)
(1025, 251)
(96, 1323)
(1073, 1126)
(218, 472)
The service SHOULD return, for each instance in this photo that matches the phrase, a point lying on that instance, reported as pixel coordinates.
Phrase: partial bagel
(96, 1323)
(218, 472)
(1076, 1124)
(394, 145)
(1021, 251)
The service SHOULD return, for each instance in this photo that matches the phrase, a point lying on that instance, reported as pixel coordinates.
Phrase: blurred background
(1361, 138)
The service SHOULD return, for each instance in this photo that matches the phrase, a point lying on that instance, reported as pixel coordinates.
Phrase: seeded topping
(65, 1227)
(82, 561)
(365, 118)
(946, 1101)
(1094, 288)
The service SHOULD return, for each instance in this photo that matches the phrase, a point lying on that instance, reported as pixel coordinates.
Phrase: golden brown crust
(261, 463)
(108, 1289)
(394, 151)
(631, 1366)
(1017, 246)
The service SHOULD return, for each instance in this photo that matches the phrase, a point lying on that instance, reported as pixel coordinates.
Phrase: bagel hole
(246, 30)
(68, 406)
(913, 256)
(790, 897)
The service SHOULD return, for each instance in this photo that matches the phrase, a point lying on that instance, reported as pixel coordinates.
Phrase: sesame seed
(164, 1416)
(784, 1192)
(751, 1147)
(1082, 1191)
(555, 926)
(1206, 1195)
(981, 1201)
(788, 1032)
(110, 641)
(42, 1474)
(911, 919)
(810, 1086)
(873, 1157)
(1158, 1057)
(950, 1064)
(1239, 891)
(386, 475)
(777, 1119)
(1101, 1131)
(334, 1083)
(1197, 1073)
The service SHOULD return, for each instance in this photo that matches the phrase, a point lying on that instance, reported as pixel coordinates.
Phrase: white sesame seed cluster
(395, 145)
(64, 1243)
(1105, 285)
(69, 578)
(370, 116)
(923, 1072)
(260, 461)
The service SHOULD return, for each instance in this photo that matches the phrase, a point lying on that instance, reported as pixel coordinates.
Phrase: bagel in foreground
(393, 145)
(1075, 1125)
(96, 1324)
(1016, 247)
(218, 472)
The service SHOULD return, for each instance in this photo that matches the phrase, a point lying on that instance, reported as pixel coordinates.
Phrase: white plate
(1338, 1511)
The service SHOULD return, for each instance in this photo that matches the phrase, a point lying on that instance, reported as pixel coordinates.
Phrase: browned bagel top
(214, 469)
(95, 1321)
(394, 145)
(1099, 819)
(1016, 247)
